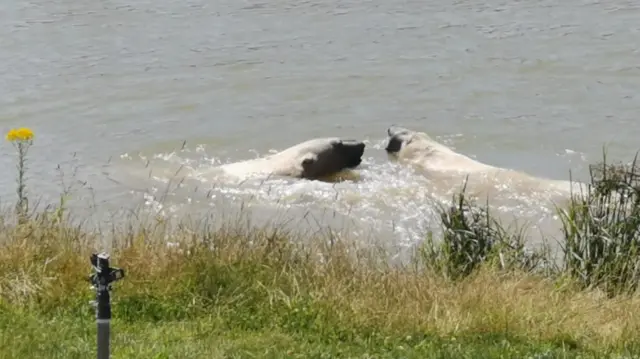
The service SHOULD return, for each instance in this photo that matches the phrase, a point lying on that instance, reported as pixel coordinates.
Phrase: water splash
(387, 199)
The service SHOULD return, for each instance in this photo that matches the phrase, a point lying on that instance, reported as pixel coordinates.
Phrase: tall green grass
(472, 238)
(602, 230)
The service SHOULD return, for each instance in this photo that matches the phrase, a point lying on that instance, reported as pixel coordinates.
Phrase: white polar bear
(317, 158)
(439, 162)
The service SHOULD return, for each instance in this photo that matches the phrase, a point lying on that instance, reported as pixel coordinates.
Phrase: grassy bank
(240, 292)
(258, 295)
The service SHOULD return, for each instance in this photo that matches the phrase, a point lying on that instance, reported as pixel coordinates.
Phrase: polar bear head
(326, 157)
(411, 145)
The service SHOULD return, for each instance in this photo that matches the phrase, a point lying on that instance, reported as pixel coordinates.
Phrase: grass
(260, 295)
(602, 230)
(248, 292)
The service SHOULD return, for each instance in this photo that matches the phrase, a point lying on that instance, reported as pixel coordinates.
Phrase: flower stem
(22, 205)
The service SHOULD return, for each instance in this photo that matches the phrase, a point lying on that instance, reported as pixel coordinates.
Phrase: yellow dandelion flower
(20, 134)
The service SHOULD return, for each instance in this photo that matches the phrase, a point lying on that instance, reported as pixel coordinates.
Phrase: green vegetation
(242, 292)
(602, 230)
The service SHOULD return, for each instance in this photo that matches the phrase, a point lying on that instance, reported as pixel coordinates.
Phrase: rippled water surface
(113, 89)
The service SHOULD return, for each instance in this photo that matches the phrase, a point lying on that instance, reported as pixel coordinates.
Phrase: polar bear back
(430, 155)
(442, 164)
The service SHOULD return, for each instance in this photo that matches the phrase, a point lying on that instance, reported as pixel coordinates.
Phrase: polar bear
(318, 158)
(438, 162)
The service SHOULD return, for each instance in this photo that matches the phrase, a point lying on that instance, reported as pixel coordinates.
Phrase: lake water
(107, 86)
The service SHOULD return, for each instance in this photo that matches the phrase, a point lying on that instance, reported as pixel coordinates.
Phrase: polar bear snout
(351, 151)
(394, 144)
(340, 155)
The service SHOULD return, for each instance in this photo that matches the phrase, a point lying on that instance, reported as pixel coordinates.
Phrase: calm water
(539, 86)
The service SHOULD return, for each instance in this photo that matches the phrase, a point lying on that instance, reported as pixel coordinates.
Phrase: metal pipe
(102, 278)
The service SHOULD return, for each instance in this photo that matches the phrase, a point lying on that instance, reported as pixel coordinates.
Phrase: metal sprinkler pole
(102, 278)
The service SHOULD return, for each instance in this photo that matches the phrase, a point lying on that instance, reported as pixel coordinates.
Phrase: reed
(601, 229)
(472, 237)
